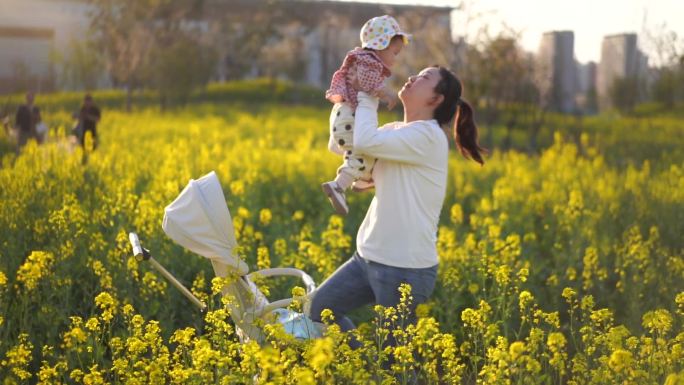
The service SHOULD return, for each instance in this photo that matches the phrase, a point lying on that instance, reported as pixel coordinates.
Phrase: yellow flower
(552, 280)
(403, 355)
(127, 309)
(242, 213)
(36, 267)
(569, 294)
(75, 336)
(423, 310)
(18, 358)
(298, 215)
(602, 316)
(93, 324)
(675, 379)
(107, 304)
(525, 298)
(237, 187)
(658, 321)
(620, 360)
(76, 375)
(556, 341)
(263, 258)
(304, 376)
(456, 214)
(502, 275)
(327, 316)
(516, 349)
(183, 336)
(321, 353)
(298, 291)
(265, 217)
(94, 377)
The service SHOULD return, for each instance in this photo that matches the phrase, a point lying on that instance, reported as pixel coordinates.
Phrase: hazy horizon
(590, 20)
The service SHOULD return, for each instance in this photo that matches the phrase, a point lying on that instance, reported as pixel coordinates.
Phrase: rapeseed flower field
(563, 267)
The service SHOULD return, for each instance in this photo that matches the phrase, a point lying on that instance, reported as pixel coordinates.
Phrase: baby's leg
(341, 140)
(342, 127)
(353, 168)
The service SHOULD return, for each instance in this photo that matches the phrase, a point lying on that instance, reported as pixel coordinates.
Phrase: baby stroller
(199, 220)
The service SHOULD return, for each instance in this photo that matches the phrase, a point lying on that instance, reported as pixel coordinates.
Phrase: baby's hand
(386, 96)
(336, 99)
(391, 100)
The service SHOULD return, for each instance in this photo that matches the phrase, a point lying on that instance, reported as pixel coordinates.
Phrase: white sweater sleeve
(409, 144)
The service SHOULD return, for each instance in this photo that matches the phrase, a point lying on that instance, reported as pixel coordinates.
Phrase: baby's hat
(378, 31)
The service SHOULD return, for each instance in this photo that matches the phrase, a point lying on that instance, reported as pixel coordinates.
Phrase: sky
(589, 19)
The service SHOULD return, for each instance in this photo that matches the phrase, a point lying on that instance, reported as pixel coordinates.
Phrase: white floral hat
(379, 31)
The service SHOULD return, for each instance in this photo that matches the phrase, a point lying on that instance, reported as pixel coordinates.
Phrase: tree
(241, 38)
(624, 93)
(498, 75)
(667, 88)
(124, 29)
(178, 66)
(161, 44)
(81, 67)
(667, 50)
(284, 55)
(432, 44)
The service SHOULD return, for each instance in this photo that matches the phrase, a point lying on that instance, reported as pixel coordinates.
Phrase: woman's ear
(436, 100)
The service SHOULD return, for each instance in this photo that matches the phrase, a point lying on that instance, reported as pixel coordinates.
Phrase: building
(33, 33)
(556, 71)
(620, 59)
(585, 98)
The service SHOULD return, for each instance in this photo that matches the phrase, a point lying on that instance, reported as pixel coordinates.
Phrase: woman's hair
(465, 130)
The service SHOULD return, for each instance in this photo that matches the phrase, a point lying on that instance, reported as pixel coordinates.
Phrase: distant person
(88, 117)
(26, 120)
(364, 69)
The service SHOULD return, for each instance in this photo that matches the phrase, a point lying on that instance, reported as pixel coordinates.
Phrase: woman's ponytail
(465, 130)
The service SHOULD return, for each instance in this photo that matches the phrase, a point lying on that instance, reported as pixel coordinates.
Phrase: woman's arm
(410, 144)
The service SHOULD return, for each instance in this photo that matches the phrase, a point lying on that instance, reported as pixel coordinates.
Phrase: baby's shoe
(336, 196)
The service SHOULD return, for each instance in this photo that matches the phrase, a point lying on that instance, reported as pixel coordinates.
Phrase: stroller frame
(203, 200)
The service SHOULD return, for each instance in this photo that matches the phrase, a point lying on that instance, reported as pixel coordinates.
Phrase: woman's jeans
(359, 282)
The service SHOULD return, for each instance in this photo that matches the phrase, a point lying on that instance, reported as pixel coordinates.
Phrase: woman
(396, 242)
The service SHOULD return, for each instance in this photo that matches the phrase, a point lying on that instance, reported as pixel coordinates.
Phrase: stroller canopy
(199, 220)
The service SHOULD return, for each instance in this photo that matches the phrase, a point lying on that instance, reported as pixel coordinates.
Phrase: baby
(364, 69)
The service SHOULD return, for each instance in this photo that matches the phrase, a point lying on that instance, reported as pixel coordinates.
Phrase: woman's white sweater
(400, 227)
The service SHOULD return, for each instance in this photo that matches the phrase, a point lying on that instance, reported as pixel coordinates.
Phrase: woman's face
(419, 90)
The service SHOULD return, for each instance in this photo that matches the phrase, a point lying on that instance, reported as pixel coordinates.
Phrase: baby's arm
(337, 86)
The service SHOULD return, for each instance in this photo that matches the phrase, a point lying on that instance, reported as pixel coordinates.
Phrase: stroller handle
(138, 250)
(142, 253)
(286, 271)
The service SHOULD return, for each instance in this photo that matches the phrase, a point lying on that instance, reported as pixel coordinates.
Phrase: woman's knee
(316, 309)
